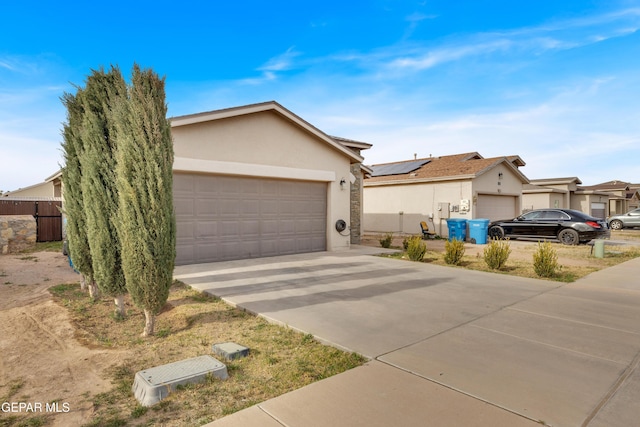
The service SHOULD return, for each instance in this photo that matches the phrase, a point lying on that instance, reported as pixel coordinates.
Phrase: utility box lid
(230, 350)
(152, 385)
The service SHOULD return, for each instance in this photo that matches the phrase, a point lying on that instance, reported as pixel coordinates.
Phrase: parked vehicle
(630, 219)
(567, 225)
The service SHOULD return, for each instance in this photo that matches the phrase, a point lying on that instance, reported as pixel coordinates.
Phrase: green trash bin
(457, 228)
(478, 229)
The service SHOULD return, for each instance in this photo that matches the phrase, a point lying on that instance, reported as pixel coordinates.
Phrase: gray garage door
(224, 218)
(496, 207)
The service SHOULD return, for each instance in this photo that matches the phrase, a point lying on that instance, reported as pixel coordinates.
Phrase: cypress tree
(100, 199)
(73, 149)
(146, 221)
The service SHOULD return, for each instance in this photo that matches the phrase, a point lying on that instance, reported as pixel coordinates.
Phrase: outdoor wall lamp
(342, 183)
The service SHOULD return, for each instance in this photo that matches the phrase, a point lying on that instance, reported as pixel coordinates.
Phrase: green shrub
(545, 260)
(416, 248)
(496, 254)
(454, 251)
(385, 242)
(405, 243)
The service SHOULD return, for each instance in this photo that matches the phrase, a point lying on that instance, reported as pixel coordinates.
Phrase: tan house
(399, 195)
(565, 193)
(258, 181)
(51, 187)
(624, 196)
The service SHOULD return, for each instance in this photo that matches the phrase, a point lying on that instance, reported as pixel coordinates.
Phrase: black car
(567, 225)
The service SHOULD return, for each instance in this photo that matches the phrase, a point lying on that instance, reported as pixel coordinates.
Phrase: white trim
(185, 164)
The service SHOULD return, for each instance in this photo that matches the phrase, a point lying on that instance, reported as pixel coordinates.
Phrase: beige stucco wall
(543, 200)
(266, 144)
(400, 208)
(491, 183)
(44, 189)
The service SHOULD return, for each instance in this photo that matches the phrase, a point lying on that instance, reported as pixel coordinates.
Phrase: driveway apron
(443, 340)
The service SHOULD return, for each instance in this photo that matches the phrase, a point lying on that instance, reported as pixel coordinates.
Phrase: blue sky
(555, 82)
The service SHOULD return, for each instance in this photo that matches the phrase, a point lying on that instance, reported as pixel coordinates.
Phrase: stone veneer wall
(17, 233)
(356, 204)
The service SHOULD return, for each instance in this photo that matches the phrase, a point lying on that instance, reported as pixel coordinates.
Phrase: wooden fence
(48, 215)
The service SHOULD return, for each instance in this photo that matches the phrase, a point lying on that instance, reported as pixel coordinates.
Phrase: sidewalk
(451, 347)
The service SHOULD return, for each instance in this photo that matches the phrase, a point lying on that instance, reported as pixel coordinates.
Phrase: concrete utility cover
(152, 385)
(230, 350)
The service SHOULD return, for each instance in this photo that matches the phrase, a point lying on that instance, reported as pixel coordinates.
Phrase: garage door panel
(222, 218)
(206, 229)
(496, 207)
(206, 208)
(250, 229)
(184, 206)
(286, 227)
(250, 208)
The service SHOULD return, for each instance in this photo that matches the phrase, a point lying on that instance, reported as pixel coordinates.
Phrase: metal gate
(48, 215)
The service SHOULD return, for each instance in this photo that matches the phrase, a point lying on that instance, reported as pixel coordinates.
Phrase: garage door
(225, 218)
(496, 207)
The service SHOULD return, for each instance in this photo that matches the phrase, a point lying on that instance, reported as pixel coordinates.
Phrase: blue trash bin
(478, 230)
(457, 228)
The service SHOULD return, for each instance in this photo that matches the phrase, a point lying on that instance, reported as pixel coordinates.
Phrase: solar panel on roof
(397, 168)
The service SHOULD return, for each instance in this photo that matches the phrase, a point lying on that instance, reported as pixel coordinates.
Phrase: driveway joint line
(573, 320)
(549, 345)
(614, 389)
(449, 387)
(273, 417)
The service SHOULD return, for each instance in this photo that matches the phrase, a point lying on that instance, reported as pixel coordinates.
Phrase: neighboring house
(258, 181)
(565, 193)
(624, 196)
(43, 201)
(397, 196)
(51, 187)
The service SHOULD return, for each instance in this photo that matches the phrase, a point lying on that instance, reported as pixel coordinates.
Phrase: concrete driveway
(447, 346)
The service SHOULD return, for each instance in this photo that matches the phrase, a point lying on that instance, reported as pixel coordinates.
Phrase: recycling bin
(457, 228)
(478, 229)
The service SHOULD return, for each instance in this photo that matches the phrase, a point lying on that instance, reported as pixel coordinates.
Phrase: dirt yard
(41, 362)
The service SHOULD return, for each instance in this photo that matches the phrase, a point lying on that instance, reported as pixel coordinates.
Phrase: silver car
(630, 219)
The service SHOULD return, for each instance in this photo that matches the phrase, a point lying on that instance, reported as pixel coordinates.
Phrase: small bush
(545, 260)
(416, 248)
(385, 242)
(496, 254)
(454, 251)
(405, 243)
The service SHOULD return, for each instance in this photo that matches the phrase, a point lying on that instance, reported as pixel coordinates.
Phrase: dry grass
(280, 359)
(575, 261)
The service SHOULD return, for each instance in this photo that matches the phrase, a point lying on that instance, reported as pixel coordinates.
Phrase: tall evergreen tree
(146, 223)
(73, 149)
(100, 198)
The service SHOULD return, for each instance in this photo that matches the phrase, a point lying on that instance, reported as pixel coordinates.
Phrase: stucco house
(399, 195)
(50, 187)
(257, 181)
(565, 193)
(624, 196)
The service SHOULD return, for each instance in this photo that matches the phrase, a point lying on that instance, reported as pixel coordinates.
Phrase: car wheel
(496, 232)
(616, 224)
(569, 236)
